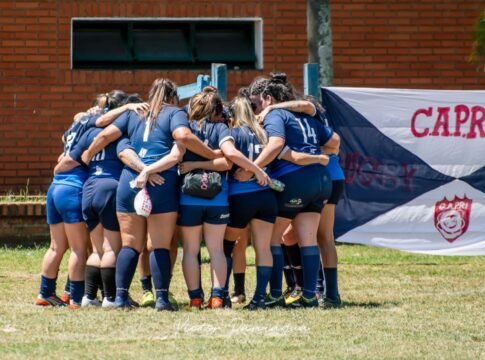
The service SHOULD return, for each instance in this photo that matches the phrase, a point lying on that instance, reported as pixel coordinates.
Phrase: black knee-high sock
(239, 283)
(92, 280)
(331, 283)
(146, 283)
(228, 249)
(287, 269)
(109, 283)
(295, 261)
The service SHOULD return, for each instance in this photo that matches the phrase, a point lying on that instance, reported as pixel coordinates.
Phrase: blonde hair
(204, 105)
(243, 115)
(163, 92)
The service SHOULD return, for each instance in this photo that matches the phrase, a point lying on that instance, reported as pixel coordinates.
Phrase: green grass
(396, 305)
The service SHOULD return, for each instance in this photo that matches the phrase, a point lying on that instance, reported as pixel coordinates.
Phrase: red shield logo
(451, 218)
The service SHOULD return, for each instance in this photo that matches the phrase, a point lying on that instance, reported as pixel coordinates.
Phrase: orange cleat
(52, 300)
(215, 303)
(66, 298)
(196, 303)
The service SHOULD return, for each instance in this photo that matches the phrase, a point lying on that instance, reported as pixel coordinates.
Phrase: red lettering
(462, 114)
(442, 122)
(477, 122)
(428, 112)
(408, 175)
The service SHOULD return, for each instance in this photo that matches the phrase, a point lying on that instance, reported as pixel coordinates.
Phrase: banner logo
(451, 218)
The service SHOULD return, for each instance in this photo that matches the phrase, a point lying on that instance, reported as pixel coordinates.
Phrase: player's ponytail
(243, 115)
(279, 88)
(205, 105)
(163, 92)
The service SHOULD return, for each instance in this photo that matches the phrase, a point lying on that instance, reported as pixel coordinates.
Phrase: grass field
(396, 305)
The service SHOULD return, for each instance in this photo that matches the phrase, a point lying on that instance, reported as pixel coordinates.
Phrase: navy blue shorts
(305, 191)
(164, 198)
(337, 191)
(99, 203)
(194, 215)
(261, 205)
(64, 204)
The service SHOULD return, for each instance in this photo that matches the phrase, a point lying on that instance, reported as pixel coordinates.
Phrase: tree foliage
(478, 53)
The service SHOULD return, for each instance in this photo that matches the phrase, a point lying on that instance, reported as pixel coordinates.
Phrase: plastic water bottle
(277, 185)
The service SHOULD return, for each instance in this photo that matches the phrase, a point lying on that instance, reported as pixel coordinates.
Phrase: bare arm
(131, 159)
(269, 153)
(242, 161)
(105, 137)
(185, 137)
(163, 164)
(106, 119)
(299, 106)
(219, 164)
(67, 163)
(332, 146)
(300, 158)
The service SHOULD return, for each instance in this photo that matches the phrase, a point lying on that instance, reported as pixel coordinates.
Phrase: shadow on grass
(369, 304)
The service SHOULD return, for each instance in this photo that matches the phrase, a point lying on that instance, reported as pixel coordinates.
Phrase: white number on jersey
(100, 156)
(307, 131)
(254, 150)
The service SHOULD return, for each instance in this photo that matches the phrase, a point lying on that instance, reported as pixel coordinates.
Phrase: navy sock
(160, 267)
(47, 286)
(277, 272)
(125, 270)
(287, 270)
(195, 294)
(67, 286)
(263, 274)
(320, 280)
(331, 283)
(109, 283)
(217, 292)
(92, 276)
(240, 283)
(310, 258)
(77, 291)
(228, 249)
(199, 259)
(294, 258)
(146, 283)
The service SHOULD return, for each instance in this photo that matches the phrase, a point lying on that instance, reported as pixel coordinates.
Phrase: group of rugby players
(278, 163)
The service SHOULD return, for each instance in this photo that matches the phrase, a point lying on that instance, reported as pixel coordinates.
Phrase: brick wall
(405, 44)
(376, 43)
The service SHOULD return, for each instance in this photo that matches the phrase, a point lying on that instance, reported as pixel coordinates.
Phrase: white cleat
(86, 302)
(108, 304)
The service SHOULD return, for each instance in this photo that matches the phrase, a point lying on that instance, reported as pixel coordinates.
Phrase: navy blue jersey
(151, 143)
(104, 164)
(77, 129)
(301, 133)
(333, 166)
(78, 175)
(247, 143)
(213, 134)
(210, 133)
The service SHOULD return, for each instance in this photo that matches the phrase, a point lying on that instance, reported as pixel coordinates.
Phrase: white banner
(414, 162)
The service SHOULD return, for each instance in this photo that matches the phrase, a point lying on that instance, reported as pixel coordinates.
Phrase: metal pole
(319, 32)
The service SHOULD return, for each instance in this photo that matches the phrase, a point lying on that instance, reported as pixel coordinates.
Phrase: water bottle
(277, 185)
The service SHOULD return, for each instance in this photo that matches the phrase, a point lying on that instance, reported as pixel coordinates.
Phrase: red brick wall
(376, 43)
(405, 44)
